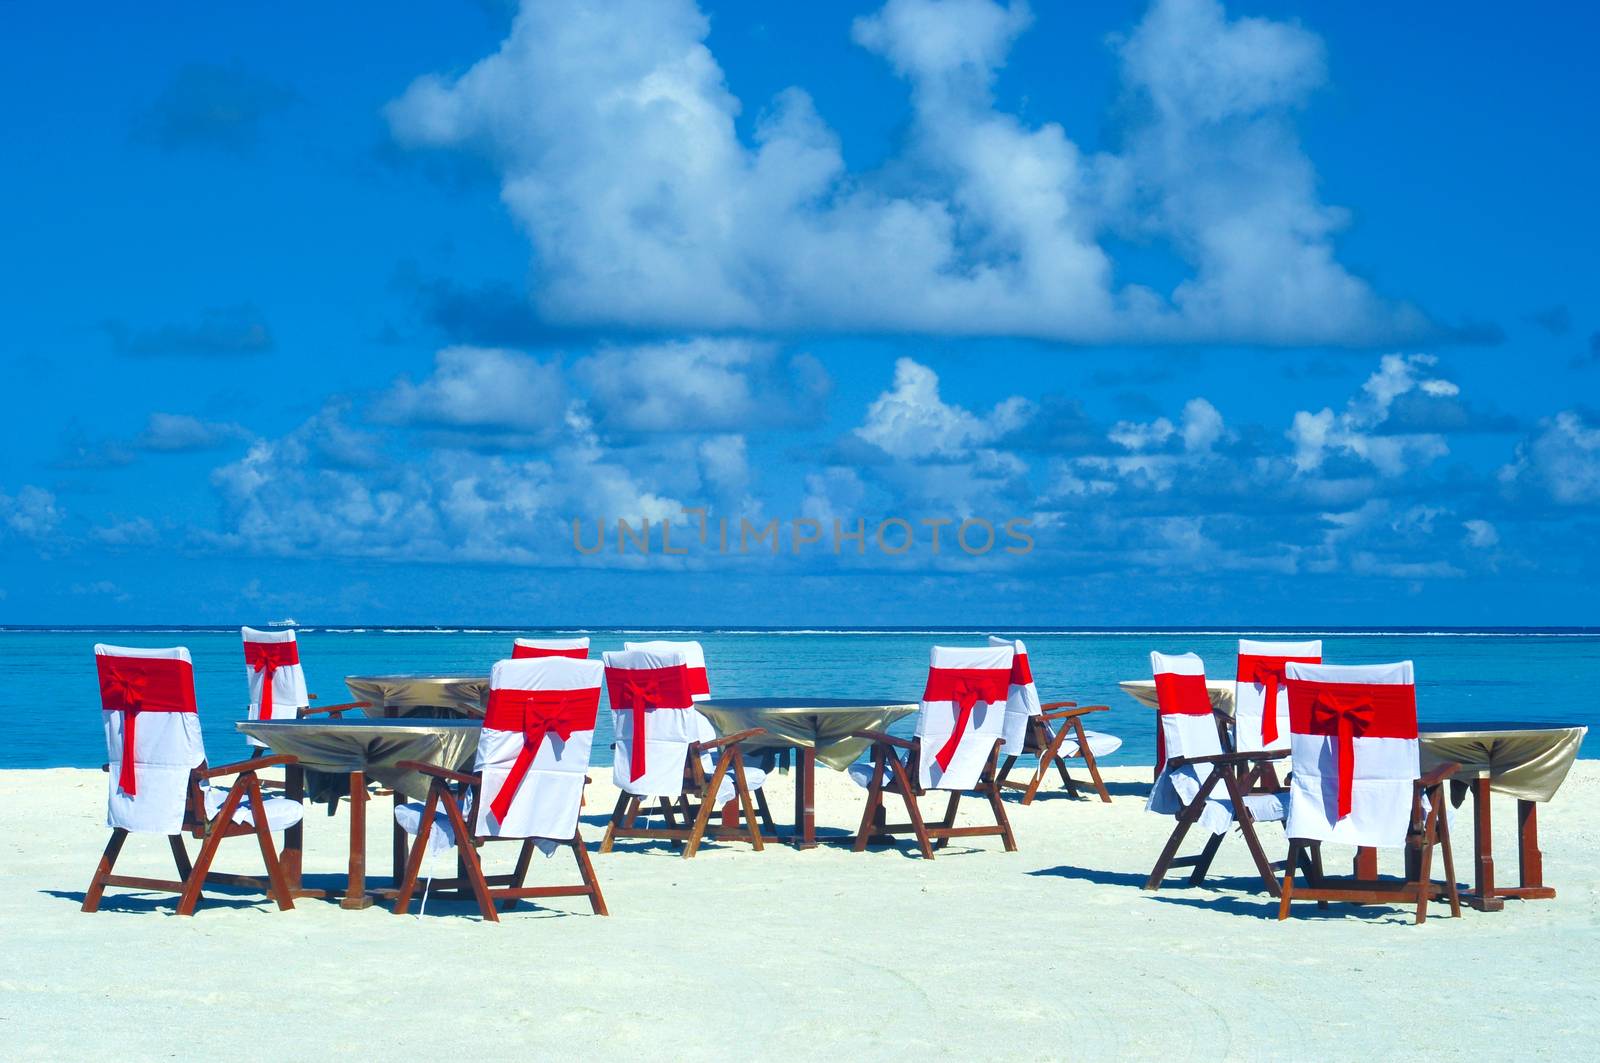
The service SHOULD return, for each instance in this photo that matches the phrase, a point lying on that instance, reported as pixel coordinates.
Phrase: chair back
(273, 676)
(522, 649)
(1022, 698)
(1260, 707)
(152, 735)
(653, 718)
(1185, 727)
(694, 658)
(1354, 752)
(538, 731)
(963, 713)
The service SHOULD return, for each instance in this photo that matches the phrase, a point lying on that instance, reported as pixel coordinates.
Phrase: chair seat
(1218, 815)
(1101, 744)
(860, 773)
(443, 835)
(282, 813)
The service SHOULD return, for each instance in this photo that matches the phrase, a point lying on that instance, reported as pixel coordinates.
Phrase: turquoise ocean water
(49, 701)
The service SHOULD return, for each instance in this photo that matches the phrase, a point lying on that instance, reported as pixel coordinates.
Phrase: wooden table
(814, 728)
(359, 748)
(1525, 760)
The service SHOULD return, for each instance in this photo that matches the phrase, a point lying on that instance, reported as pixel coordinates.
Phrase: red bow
(535, 713)
(520, 652)
(1268, 671)
(965, 687)
(267, 658)
(639, 690)
(131, 685)
(1347, 711)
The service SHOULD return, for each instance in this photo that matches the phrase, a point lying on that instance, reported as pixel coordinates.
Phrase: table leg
(355, 893)
(292, 857)
(400, 852)
(805, 798)
(1366, 863)
(1530, 860)
(1483, 896)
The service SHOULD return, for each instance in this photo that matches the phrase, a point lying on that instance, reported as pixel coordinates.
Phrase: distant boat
(287, 621)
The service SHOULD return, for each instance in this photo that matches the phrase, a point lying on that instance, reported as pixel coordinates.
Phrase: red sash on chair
(267, 658)
(578, 653)
(1180, 695)
(1268, 671)
(132, 685)
(535, 713)
(1347, 711)
(1021, 673)
(639, 690)
(966, 687)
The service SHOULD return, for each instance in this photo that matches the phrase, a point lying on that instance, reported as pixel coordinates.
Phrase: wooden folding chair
(893, 775)
(687, 818)
(1196, 741)
(956, 749)
(1427, 829)
(486, 889)
(1360, 721)
(152, 731)
(1238, 775)
(533, 758)
(1040, 741)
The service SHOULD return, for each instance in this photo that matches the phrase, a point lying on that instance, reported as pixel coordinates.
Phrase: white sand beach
(1050, 952)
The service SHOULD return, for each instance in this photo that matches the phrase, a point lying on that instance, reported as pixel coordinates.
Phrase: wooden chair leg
(1247, 828)
(874, 800)
(102, 871)
(519, 874)
(616, 820)
(708, 798)
(269, 855)
(470, 861)
(745, 802)
(218, 826)
(908, 791)
(586, 871)
(765, 812)
(1093, 767)
(1187, 817)
(1287, 890)
(1451, 889)
(419, 848)
(1424, 882)
(180, 855)
(999, 807)
(1207, 854)
(1317, 877)
(949, 818)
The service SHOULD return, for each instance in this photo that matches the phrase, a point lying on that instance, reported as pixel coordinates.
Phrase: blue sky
(1251, 314)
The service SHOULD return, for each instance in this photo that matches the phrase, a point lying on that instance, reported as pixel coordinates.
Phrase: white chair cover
(546, 803)
(1194, 734)
(1258, 679)
(288, 679)
(1385, 765)
(167, 746)
(1023, 701)
(524, 648)
(940, 714)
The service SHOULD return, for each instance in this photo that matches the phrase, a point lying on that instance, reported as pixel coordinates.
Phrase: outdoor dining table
(432, 695)
(361, 749)
(1525, 760)
(815, 728)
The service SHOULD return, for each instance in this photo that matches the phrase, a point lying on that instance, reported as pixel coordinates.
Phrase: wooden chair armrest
(240, 766)
(879, 738)
(1226, 758)
(1047, 706)
(1070, 713)
(727, 740)
(325, 710)
(440, 773)
(1438, 775)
